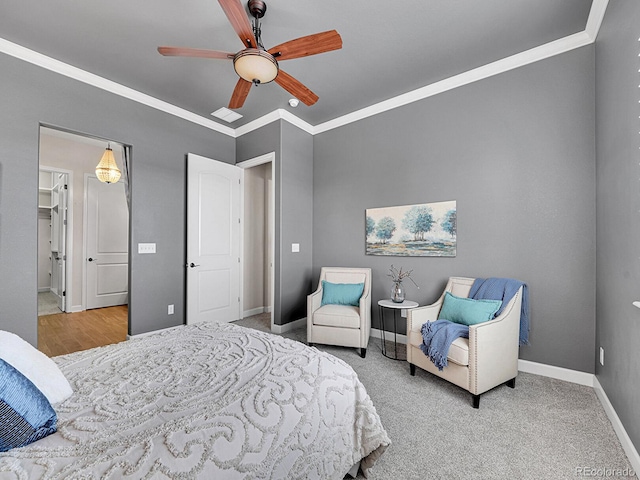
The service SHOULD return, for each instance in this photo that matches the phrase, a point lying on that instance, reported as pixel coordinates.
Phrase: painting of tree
(371, 226)
(418, 220)
(428, 229)
(385, 228)
(449, 223)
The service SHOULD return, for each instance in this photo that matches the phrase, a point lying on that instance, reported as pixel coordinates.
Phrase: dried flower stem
(397, 275)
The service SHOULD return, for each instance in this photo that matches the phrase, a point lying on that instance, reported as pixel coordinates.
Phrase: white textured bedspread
(212, 401)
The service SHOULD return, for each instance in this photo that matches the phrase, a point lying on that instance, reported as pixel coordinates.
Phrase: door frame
(255, 162)
(68, 269)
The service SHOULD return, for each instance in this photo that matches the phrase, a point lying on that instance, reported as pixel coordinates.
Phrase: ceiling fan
(254, 64)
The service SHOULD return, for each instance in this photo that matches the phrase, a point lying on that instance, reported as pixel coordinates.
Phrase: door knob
(192, 265)
(90, 259)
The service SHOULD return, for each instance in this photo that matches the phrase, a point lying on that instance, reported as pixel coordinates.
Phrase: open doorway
(52, 239)
(258, 239)
(82, 245)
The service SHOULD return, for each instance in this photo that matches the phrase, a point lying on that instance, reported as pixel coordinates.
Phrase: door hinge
(64, 294)
(238, 259)
(66, 186)
(64, 222)
(238, 299)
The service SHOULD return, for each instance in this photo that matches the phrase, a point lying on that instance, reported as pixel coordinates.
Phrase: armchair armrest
(314, 300)
(493, 348)
(416, 317)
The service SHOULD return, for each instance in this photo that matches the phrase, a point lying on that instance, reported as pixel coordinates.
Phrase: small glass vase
(397, 293)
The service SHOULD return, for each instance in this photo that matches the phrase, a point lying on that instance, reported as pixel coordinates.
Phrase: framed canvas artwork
(423, 230)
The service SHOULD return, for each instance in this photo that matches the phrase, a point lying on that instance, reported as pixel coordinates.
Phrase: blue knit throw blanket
(437, 338)
(504, 289)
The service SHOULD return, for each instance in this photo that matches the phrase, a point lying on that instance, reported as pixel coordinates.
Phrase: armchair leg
(412, 369)
(476, 401)
(363, 352)
(511, 383)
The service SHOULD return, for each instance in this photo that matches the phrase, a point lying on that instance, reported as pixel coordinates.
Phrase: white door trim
(254, 162)
(69, 250)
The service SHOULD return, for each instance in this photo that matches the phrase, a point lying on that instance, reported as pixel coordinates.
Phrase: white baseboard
(75, 309)
(627, 444)
(253, 311)
(559, 373)
(300, 323)
(153, 332)
(44, 289)
(376, 333)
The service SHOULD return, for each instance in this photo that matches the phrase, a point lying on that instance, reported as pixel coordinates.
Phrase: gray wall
(160, 142)
(618, 217)
(516, 151)
(294, 203)
(297, 221)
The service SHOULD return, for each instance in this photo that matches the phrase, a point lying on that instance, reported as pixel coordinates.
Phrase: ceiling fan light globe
(254, 65)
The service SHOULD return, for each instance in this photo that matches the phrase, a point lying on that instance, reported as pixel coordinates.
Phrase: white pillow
(36, 366)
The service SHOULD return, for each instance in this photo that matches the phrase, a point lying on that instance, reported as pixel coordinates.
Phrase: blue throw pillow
(25, 413)
(468, 311)
(341, 293)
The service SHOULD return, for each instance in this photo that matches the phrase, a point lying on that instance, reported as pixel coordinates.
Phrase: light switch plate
(146, 248)
(295, 247)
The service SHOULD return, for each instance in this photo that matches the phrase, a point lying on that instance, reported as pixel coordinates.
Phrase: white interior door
(107, 237)
(61, 257)
(213, 240)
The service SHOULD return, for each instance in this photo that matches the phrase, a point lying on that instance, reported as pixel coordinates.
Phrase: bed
(214, 401)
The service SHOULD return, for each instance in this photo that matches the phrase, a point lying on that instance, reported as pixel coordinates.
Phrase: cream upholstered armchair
(488, 358)
(334, 324)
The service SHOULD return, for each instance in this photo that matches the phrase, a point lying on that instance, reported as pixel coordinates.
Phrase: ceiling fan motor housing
(257, 8)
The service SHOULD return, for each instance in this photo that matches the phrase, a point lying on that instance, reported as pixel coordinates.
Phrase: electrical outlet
(170, 309)
(295, 247)
(602, 356)
(146, 248)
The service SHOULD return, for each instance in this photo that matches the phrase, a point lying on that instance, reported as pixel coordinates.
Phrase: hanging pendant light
(107, 170)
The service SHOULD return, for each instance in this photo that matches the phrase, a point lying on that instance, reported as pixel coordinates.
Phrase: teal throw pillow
(468, 311)
(341, 293)
(25, 413)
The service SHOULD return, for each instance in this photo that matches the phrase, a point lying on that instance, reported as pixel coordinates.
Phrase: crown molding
(35, 58)
(596, 15)
(562, 45)
(500, 66)
(279, 114)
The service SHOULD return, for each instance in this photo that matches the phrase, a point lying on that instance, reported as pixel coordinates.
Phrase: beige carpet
(542, 429)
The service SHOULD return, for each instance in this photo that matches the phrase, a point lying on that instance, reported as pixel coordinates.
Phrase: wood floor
(64, 333)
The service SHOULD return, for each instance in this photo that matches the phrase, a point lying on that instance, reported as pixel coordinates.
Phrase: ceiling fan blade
(194, 52)
(240, 93)
(295, 88)
(309, 45)
(237, 16)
